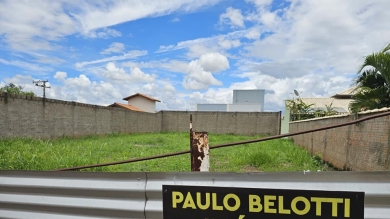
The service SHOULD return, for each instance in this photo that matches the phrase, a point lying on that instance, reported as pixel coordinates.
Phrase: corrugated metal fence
(65, 195)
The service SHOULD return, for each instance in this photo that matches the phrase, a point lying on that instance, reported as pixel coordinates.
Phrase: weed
(32, 154)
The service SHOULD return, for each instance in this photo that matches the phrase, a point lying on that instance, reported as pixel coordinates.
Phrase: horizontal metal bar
(54, 195)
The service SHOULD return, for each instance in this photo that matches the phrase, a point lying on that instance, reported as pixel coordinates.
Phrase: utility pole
(42, 84)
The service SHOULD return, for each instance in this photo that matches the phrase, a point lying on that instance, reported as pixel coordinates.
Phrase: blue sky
(185, 52)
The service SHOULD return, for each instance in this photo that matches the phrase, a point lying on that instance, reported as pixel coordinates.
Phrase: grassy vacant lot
(30, 154)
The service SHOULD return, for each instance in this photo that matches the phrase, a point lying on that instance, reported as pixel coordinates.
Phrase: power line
(42, 84)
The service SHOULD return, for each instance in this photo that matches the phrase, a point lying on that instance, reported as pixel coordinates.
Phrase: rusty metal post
(200, 160)
(191, 142)
(199, 148)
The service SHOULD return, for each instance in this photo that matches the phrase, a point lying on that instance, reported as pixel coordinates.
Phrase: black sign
(198, 202)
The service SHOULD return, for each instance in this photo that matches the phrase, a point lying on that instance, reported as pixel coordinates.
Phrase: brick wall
(22, 116)
(244, 123)
(31, 117)
(360, 147)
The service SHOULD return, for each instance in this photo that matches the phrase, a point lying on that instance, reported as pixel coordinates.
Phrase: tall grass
(32, 154)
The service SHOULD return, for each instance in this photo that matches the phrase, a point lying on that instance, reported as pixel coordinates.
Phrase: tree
(330, 110)
(373, 82)
(300, 110)
(15, 89)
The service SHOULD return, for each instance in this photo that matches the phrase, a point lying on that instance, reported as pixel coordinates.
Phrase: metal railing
(66, 195)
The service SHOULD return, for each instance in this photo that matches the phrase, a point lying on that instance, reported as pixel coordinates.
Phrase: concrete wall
(245, 108)
(229, 107)
(211, 107)
(264, 123)
(32, 117)
(285, 121)
(361, 147)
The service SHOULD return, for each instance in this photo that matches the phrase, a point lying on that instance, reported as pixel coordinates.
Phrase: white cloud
(200, 46)
(214, 62)
(175, 20)
(195, 47)
(184, 44)
(25, 65)
(104, 33)
(115, 47)
(164, 91)
(168, 87)
(20, 79)
(80, 82)
(170, 65)
(310, 31)
(116, 12)
(311, 46)
(60, 75)
(23, 80)
(139, 76)
(42, 58)
(279, 89)
(129, 55)
(284, 68)
(82, 89)
(233, 17)
(253, 33)
(194, 51)
(260, 3)
(269, 19)
(206, 41)
(212, 95)
(198, 78)
(117, 75)
(44, 23)
(41, 23)
(228, 44)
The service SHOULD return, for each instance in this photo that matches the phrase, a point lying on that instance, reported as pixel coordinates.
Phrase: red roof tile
(130, 107)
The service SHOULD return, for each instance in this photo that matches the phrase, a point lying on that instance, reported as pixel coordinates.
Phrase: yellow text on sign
(209, 203)
(268, 205)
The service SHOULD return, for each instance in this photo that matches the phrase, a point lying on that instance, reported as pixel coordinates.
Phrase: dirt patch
(250, 169)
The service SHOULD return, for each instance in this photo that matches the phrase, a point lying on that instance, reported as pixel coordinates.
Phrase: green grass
(32, 154)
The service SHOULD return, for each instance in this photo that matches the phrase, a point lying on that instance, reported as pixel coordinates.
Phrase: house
(138, 102)
(338, 102)
(243, 101)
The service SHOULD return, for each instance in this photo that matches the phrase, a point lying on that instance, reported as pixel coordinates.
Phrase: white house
(338, 102)
(139, 102)
(243, 101)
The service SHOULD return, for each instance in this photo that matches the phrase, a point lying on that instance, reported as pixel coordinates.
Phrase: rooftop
(130, 107)
(142, 95)
(348, 93)
(340, 105)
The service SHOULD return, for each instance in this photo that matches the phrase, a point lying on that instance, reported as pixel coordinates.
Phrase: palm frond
(370, 78)
(369, 98)
(386, 49)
